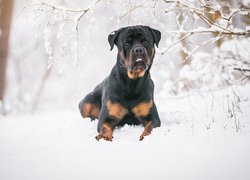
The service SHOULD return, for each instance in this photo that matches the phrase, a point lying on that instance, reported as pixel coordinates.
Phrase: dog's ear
(113, 38)
(157, 36)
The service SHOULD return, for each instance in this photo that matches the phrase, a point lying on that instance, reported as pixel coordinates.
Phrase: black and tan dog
(126, 96)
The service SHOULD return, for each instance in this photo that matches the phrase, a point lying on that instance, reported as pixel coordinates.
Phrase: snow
(205, 132)
(192, 143)
(246, 3)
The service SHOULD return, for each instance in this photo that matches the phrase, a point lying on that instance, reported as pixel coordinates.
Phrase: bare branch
(82, 11)
(63, 8)
(235, 13)
(209, 31)
(199, 12)
(215, 28)
(242, 69)
(130, 10)
(209, 22)
(212, 40)
(176, 42)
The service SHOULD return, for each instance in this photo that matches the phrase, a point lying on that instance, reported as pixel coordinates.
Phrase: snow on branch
(216, 15)
(57, 13)
(215, 21)
(209, 31)
(81, 11)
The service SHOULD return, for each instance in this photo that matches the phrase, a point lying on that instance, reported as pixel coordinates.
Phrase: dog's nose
(138, 50)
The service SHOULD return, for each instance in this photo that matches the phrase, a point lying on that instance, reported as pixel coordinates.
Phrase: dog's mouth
(139, 64)
(137, 69)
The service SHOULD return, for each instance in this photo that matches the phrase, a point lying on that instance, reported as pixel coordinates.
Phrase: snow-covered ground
(204, 135)
(196, 141)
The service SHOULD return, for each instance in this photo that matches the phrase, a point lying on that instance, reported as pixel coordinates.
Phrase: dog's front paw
(147, 130)
(145, 133)
(105, 136)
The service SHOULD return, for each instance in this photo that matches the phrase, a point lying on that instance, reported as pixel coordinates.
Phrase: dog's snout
(138, 50)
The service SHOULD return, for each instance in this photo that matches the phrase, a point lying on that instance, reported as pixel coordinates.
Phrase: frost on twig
(80, 12)
(217, 70)
(48, 47)
(60, 13)
(51, 37)
(212, 17)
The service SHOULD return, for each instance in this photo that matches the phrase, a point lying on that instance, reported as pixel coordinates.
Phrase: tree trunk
(6, 7)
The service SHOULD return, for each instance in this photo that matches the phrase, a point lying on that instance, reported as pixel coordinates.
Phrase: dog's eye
(145, 42)
(127, 44)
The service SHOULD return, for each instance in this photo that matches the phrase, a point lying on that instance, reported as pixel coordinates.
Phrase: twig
(209, 31)
(155, 1)
(82, 11)
(130, 10)
(234, 13)
(242, 69)
(209, 22)
(79, 18)
(176, 42)
(63, 8)
(234, 107)
(185, 6)
(202, 3)
(203, 44)
(198, 12)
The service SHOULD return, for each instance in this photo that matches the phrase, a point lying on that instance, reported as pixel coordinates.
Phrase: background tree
(6, 7)
(62, 35)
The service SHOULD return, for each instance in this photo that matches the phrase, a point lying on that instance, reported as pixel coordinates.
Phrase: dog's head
(135, 48)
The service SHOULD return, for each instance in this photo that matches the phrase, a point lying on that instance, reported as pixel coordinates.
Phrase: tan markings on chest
(142, 109)
(116, 110)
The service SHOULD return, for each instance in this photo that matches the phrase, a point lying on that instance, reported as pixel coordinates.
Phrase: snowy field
(205, 135)
(197, 140)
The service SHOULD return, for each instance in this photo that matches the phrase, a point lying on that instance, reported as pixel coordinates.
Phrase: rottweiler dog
(126, 96)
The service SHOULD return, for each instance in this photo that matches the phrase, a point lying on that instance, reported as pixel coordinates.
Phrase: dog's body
(126, 95)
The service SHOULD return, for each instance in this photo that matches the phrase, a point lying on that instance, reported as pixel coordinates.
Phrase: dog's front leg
(111, 114)
(147, 129)
(147, 113)
(106, 132)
